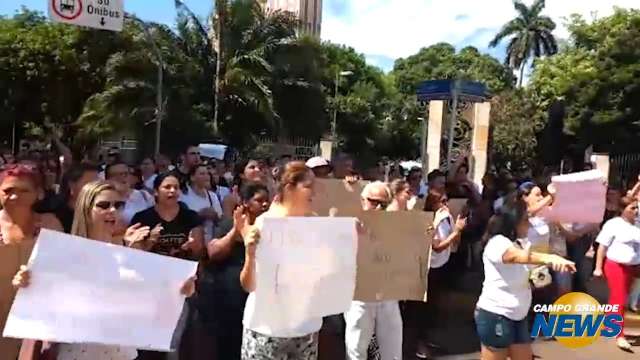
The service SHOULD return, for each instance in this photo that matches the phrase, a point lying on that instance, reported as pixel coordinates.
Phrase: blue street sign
(444, 90)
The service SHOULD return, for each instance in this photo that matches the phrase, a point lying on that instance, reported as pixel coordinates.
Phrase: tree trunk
(220, 9)
(524, 63)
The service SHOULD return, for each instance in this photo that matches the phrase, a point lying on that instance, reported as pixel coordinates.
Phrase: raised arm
(251, 236)
(220, 249)
(515, 255)
(452, 238)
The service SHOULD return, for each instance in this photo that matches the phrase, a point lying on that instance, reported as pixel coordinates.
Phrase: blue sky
(385, 30)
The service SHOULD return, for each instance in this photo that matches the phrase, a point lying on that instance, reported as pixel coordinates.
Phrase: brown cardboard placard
(338, 194)
(393, 255)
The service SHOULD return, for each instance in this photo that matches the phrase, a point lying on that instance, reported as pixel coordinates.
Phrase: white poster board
(305, 268)
(85, 291)
(580, 198)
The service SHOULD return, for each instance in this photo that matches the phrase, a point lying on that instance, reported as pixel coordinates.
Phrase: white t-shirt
(506, 289)
(444, 229)
(149, 182)
(310, 326)
(538, 235)
(196, 203)
(137, 201)
(622, 240)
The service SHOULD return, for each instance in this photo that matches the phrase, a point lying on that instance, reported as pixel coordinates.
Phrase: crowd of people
(212, 211)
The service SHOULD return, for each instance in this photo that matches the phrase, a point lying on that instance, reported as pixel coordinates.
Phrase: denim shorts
(499, 332)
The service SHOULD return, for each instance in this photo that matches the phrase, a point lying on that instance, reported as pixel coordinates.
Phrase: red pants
(619, 278)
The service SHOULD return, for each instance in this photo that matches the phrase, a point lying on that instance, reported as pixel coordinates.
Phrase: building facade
(309, 12)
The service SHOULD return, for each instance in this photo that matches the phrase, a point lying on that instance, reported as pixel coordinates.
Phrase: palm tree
(531, 36)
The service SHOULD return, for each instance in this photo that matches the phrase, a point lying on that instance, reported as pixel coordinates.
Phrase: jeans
(499, 332)
(365, 319)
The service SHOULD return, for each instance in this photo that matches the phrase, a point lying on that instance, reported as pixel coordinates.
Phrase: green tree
(530, 36)
(441, 61)
(597, 77)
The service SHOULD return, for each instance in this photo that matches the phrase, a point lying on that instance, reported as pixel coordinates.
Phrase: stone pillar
(434, 134)
(479, 141)
(326, 149)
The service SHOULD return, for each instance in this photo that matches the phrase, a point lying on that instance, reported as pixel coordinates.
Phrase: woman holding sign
(261, 341)
(20, 186)
(98, 209)
(501, 311)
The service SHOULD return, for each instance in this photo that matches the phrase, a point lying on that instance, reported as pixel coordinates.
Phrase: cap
(317, 161)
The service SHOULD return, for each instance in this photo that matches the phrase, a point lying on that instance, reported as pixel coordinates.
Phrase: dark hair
(293, 173)
(433, 200)
(506, 222)
(161, 177)
(116, 163)
(623, 203)
(74, 174)
(434, 174)
(190, 145)
(525, 189)
(239, 171)
(413, 171)
(248, 190)
(147, 158)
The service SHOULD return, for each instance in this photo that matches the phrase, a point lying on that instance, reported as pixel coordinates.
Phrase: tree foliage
(530, 36)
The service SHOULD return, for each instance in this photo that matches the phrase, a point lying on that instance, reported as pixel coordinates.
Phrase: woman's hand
(250, 235)
(460, 223)
(136, 234)
(597, 273)
(238, 218)
(558, 263)
(188, 288)
(154, 234)
(551, 189)
(22, 279)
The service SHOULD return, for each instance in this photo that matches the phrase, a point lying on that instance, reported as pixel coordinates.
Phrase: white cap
(317, 161)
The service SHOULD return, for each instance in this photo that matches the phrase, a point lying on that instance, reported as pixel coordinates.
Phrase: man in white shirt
(364, 319)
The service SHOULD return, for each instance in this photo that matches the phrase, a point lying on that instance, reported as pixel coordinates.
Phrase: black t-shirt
(174, 233)
(221, 297)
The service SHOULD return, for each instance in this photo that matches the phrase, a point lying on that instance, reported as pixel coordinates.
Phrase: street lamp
(339, 74)
(159, 106)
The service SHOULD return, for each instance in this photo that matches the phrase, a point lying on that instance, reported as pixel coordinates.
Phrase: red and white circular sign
(67, 9)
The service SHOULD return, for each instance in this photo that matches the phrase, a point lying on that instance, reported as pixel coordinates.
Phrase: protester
(176, 231)
(414, 179)
(218, 183)
(97, 210)
(618, 256)
(260, 340)
(199, 199)
(501, 311)
(320, 167)
(446, 237)
(343, 166)
(247, 171)
(190, 159)
(136, 200)
(364, 319)
(163, 165)
(63, 204)
(148, 173)
(19, 228)
(221, 296)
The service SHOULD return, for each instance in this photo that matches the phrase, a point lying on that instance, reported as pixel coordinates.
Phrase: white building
(308, 11)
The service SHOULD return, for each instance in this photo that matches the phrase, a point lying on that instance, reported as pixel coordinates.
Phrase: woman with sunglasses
(96, 218)
(20, 225)
(261, 341)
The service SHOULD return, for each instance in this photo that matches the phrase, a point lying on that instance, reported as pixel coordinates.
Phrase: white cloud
(399, 28)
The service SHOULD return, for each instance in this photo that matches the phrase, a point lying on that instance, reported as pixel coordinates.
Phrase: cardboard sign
(393, 255)
(339, 195)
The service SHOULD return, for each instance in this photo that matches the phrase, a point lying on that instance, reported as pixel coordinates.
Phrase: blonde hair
(84, 205)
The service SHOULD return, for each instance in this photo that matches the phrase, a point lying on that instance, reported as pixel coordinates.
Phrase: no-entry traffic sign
(99, 14)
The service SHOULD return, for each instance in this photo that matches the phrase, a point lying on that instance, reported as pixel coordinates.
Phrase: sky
(385, 30)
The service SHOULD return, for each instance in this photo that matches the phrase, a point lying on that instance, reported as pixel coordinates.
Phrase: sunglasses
(106, 205)
(377, 203)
